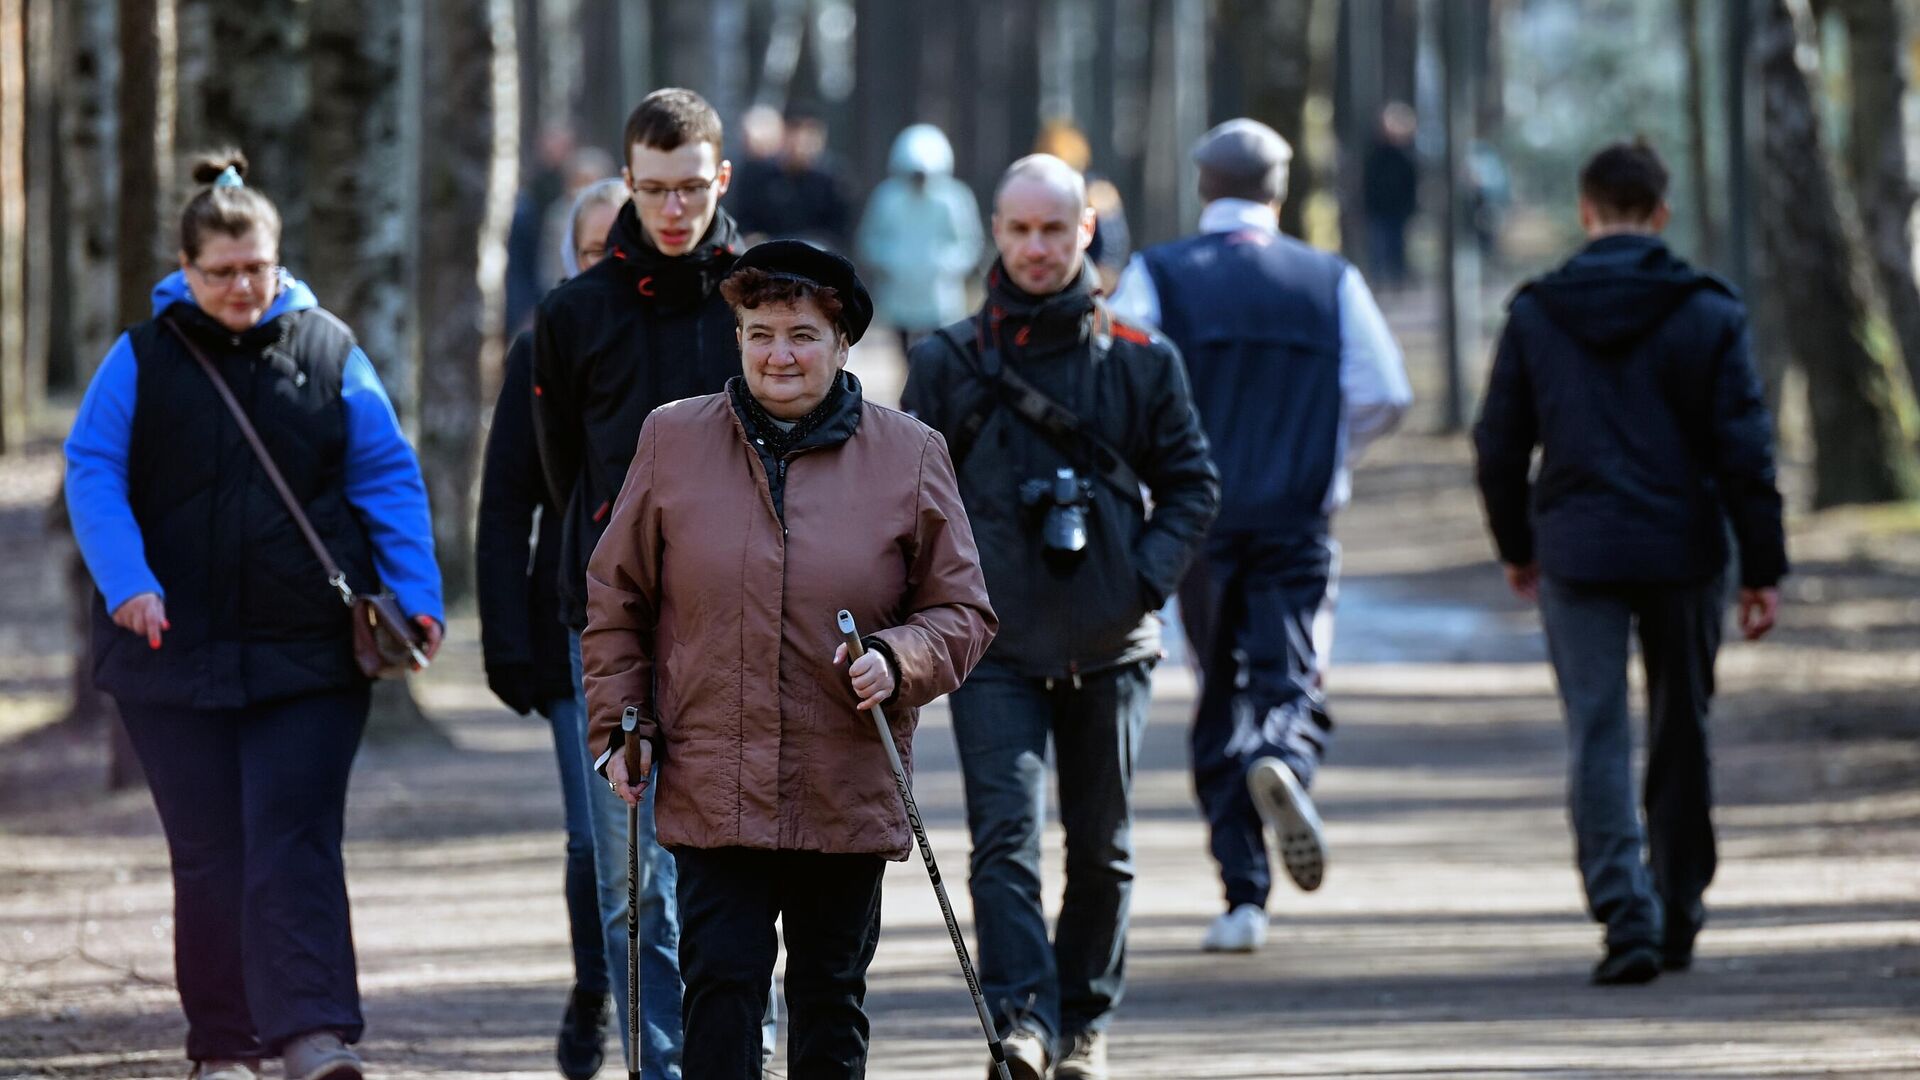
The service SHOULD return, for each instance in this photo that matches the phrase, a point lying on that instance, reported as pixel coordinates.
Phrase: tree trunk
(1877, 165)
(43, 70)
(1861, 456)
(15, 397)
(88, 130)
(144, 147)
(357, 242)
(1275, 53)
(470, 134)
(1706, 235)
(256, 97)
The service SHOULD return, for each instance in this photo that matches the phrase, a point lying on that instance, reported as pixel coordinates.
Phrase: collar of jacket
(210, 334)
(830, 423)
(673, 282)
(1027, 325)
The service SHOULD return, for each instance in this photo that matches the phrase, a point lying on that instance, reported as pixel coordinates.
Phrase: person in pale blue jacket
(221, 637)
(920, 241)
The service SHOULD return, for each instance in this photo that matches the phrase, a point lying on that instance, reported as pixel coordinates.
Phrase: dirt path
(1449, 939)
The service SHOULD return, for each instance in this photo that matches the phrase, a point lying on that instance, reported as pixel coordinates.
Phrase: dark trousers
(581, 884)
(829, 906)
(1001, 723)
(252, 802)
(1638, 882)
(1258, 611)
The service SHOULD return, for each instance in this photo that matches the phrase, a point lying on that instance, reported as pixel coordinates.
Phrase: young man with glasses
(643, 327)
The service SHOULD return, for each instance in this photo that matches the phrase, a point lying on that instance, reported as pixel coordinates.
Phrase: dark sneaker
(1628, 965)
(1290, 816)
(1676, 952)
(1085, 1059)
(582, 1047)
(320, 1055)
(1027, 1056)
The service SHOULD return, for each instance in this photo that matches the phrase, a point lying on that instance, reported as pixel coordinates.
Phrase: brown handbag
(386, 644)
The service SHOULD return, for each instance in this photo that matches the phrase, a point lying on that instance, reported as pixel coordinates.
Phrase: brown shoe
(1086, 1057)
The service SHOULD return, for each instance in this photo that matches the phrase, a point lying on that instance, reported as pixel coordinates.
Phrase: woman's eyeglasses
(225, 277)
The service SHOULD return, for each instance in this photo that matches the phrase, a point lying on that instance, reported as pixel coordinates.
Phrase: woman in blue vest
(217, 632)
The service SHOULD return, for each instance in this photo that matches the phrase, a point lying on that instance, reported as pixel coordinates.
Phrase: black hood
(673, 282)
(1617, 290)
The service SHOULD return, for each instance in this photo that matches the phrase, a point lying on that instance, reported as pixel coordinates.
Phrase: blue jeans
(1642, 885)
(1002, 723)
(660, 986)
(582, 889)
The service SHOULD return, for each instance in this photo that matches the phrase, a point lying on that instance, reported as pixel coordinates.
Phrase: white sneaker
(1289, 814)
(1244, 929)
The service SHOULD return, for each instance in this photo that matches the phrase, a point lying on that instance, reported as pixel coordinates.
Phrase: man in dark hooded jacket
(1632, 372)
(644, 326)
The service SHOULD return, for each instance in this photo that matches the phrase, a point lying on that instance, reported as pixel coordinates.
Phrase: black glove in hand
(514, 685)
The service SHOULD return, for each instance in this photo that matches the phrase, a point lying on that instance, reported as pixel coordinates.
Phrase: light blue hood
(293, 295)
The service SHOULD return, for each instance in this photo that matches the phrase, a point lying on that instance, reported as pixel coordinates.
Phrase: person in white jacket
(920, 238)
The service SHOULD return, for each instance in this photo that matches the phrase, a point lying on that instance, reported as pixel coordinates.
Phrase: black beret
(802, 261)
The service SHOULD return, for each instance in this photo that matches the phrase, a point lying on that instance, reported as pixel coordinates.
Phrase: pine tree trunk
(256, 97)
(1861, 455)
(1707, 241)
(88, 129)
(1276, 62)
(144, 149)
(470, 133)
(357, 261)
(1877, 165)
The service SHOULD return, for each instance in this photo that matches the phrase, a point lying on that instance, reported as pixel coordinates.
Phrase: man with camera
(1056, 416)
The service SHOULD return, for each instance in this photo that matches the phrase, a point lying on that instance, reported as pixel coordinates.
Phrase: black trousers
(252, 802)
(830, 908)
(1258, 611)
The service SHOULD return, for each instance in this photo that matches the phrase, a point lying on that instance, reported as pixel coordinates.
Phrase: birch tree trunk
(88, 130)
(1861, 455)
(256, 96)
(357, 241)
(15, 397)
(467, 177)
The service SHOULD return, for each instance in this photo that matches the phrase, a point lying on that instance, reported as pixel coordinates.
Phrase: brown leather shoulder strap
(334, 577)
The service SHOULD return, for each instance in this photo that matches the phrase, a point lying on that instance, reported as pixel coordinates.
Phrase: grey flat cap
(1248, 150)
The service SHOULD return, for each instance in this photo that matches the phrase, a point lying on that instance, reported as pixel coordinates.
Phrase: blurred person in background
(587, 166)
(1390, 194)
(221, 636)
(1294, 372)
(524, 641)
(762, 134)
(920, 237)
(1633, 375)
(797, 195)
(545, 182)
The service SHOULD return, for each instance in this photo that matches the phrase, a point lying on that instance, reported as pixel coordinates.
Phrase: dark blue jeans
(829, 909)
(583, 899)
(1258, 611)
(1637, 882)
(1002, 723)
(252, 801)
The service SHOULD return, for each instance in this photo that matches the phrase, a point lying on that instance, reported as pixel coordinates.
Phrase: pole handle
(630, 745)
(855, 650)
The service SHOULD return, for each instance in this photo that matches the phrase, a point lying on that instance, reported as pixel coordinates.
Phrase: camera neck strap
(1059, 426)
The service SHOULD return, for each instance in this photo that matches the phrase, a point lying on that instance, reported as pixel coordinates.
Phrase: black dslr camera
(1061, 503)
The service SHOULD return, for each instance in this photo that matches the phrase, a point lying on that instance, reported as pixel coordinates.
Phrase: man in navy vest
(1293, 373)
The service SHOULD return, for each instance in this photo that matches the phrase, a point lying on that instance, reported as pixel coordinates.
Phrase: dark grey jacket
(1101, 613)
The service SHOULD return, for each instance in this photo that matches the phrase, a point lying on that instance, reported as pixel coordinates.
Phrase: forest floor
(1449, 939)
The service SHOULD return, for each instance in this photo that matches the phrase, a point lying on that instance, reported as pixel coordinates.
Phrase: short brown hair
(751, 287)
(1626, 180)
(230, 211)
(667, 119)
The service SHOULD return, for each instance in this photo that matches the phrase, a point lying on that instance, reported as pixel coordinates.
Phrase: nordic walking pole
(854, 652)
(631, 747)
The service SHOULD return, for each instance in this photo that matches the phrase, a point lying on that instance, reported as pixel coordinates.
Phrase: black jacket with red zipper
(638, 330)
